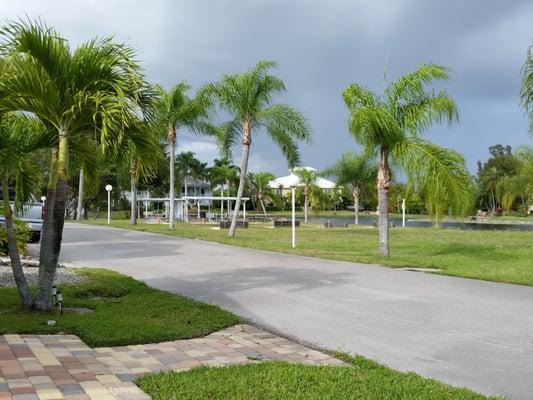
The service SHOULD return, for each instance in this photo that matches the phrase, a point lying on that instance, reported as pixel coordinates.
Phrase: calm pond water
(371, 220)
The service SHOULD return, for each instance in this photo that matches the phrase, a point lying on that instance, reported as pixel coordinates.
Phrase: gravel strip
(63, 275)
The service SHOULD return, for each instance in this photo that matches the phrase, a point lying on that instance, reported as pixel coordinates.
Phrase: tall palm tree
(248, 98)
(390, 124)
(174, 111)
(20, 138)
(526, 91)
(92, 90)
(308, 179)
(356, 172)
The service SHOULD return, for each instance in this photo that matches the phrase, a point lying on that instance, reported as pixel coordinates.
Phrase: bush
(22, 234)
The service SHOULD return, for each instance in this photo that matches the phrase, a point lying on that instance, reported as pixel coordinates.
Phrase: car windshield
(11, 195)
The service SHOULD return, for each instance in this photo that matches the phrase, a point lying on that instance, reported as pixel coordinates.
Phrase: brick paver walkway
(50, 367)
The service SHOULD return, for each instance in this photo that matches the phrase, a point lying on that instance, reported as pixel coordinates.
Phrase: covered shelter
(181, 211)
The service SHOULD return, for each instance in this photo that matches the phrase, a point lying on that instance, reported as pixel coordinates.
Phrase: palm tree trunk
(246, 142)
(49, 265)
(80, 195)
(305, 204)
(383, 185)
(263, 206)
(221, 204)
(228, 183)
(356, 205)
(172, 150)
(16, 267)
(48, 231)
(133, 188)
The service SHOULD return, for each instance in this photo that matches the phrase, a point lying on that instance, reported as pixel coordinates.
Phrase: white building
(190, 187)
(282, 183)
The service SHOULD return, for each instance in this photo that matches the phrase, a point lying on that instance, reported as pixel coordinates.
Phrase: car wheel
(35, 237)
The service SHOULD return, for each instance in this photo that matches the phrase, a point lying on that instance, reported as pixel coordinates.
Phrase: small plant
(22, 234)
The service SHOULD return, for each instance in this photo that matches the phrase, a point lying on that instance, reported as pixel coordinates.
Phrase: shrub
(22, 235)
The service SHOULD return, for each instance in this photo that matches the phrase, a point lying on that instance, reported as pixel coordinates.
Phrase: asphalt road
(464, 332)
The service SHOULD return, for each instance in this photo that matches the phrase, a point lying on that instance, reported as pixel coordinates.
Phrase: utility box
(227, 224)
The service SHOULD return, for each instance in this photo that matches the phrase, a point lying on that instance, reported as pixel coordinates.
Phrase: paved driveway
(465, 332)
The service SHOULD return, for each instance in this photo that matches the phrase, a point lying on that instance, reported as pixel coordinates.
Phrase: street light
(108, 188)
(293, 181)
(43, 199)
(403, 213)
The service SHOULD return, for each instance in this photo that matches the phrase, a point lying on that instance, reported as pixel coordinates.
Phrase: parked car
(31, 213)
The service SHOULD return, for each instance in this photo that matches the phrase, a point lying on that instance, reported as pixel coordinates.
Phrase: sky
(321, 47)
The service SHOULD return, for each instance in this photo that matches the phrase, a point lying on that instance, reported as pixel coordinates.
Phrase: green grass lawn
(126, 312)
(363, 379)
(490, 255)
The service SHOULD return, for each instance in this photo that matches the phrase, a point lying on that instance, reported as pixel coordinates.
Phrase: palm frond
(356, 96)
(281, 117)
(420, 115)
(440, 173)
(374, 127)
(526, 90)
(21, 138)
(287, 146)
(413, 84)
(44, 44)
(227, 136)
(356, 171)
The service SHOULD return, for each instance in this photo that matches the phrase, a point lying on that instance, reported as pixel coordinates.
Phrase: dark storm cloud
(321, 47)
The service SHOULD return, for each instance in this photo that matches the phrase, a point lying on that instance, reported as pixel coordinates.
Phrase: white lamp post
(403, 213)
(108, 188)
(221, 202)
(293, 182)
(43, 199)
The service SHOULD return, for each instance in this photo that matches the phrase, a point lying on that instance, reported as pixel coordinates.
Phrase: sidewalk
(48, 367)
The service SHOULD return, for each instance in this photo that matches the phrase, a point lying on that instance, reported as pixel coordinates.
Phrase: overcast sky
(321, 47)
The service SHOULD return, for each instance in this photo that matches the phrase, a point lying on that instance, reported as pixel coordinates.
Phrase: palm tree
(223, 172)
(319, 199)
(526, 91)
(356, 172)
(20, 138)
(187, 166)
(140, 150)
(390, 124)
(174, 110)
(248, 98)
(490, 178)
(261, 191)
(525, 155)
(308, 179)
(507, 191)
(84, 157)
(91, 91)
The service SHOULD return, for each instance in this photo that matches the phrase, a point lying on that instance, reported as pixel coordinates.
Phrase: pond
(420, 223)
